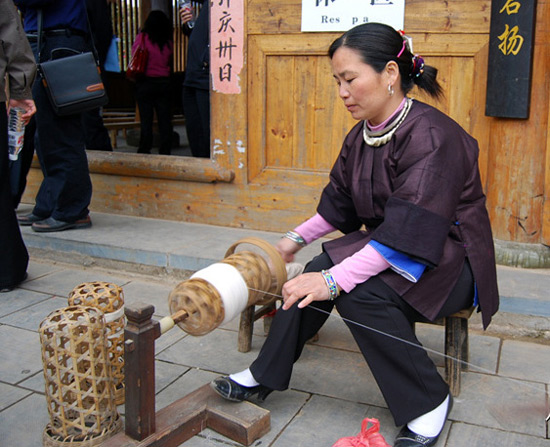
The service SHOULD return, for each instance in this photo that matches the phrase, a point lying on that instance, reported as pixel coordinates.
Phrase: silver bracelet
(331, 284)
(295, 237)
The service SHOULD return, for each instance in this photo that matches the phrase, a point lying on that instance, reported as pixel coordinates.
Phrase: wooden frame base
(243, 422)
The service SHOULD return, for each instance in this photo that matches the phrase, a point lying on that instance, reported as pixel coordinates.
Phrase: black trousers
(155, 94)
(196, 108)
(66, 190)
(14, 259)
(406, 376)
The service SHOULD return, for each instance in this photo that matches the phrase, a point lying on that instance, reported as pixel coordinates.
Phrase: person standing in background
(66, 190)
(18, 67)
(95, 133)
(196, 83)
(154, 90)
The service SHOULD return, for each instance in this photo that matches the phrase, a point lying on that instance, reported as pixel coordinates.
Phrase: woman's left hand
(309, 286)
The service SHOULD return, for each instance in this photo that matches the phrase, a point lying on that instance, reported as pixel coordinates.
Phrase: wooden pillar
(144, 10)
(139, 357)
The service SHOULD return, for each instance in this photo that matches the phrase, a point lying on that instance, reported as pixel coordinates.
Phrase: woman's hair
(378, 44)
(158, 27)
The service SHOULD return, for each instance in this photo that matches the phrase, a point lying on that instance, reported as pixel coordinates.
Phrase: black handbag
(72, 82)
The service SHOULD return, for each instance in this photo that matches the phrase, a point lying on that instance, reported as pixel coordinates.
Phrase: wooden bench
(122, 120)
(456, 339)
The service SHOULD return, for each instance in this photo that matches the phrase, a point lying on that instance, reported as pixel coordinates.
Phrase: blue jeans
(66, 191)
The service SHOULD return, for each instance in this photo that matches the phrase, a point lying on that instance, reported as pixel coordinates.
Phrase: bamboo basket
(108, 298)
(78, 380)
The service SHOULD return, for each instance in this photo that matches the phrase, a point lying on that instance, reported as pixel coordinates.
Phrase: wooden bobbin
(108, 298)
(79, 388)
(201, 301)
(276, 267)
(255, 272)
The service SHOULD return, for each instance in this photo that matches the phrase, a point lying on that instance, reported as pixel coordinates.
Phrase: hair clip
(418, 66)
(407, 43)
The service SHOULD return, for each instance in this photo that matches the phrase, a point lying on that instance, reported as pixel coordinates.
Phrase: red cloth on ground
(367, 437)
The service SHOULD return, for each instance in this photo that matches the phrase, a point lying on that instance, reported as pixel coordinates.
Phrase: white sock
(244, 378)
(430, 424)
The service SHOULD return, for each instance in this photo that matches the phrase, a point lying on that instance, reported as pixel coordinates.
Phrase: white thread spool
(231, 286)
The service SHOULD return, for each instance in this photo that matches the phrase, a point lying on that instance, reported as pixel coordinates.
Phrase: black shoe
(27, 220)
(408, 438)
(50, 224)
(231, 390)
(5, 289)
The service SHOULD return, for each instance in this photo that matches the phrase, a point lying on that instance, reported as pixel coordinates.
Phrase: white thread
(166, 324)
(231, 286)
(112, 316)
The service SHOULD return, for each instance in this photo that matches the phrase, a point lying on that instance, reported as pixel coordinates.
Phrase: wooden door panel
(297, 121)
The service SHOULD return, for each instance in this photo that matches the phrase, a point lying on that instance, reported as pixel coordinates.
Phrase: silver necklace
(383, 136)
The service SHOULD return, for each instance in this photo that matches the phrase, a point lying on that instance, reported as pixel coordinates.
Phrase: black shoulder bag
(73, 83)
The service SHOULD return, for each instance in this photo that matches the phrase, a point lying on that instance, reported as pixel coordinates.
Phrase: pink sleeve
(314, 228)
(359, 267)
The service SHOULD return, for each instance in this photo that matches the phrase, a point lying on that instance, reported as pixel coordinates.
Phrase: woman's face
(363, 90)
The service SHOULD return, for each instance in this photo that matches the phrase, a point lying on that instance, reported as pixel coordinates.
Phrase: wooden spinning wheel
(198, 304)
(202, 303)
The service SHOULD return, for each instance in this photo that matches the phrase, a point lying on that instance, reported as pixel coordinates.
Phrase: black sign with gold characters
(510, 58)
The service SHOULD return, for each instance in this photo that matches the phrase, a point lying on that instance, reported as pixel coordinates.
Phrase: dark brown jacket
(16, 59)
(419, 194)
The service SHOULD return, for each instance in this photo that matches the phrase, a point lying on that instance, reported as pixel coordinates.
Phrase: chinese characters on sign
(341, 15)
(226, 44)
(510, 54)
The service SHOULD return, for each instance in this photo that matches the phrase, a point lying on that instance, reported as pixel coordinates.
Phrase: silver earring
(390, 90)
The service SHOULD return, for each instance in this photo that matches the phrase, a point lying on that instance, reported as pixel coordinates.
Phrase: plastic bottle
(187, 5)
(16, 132)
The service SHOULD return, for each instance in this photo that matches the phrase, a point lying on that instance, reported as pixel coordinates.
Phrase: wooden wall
(273, 144)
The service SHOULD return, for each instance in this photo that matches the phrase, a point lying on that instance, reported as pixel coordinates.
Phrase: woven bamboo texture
(255, 272)
(276, 265)
(77, 374)
(201, 301)
(108, 298)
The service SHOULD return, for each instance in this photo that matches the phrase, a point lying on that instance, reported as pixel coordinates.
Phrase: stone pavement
(504, 398)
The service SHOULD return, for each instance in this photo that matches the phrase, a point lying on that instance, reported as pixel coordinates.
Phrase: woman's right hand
(287, 249)
(186, 15)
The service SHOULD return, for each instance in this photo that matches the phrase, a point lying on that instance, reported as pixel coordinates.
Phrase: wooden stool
(246, 324)
(456, 347)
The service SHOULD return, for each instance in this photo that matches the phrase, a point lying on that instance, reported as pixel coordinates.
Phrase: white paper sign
(341, 15)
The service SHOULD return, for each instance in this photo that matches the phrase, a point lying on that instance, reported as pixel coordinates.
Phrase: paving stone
(321, 422)
(167, 373)
(466, 435)
(341, 374)
(20, 354)
(335, 334)
(516, 360)
(216, 351)
(169, 338)
(10, 394)
(19, 299)
(36, 269)
(31, 317)
(484, 349)
(62, 282)
(501, 403)
(35, 383)
(155, 294)
(22, 424)
(532, 283)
